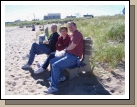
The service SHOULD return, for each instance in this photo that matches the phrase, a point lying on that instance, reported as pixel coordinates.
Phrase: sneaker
(39, 65)
(27, 66)
(25, 57)
(51, 90)
(62, 79)
(49, 79)
(39, 70)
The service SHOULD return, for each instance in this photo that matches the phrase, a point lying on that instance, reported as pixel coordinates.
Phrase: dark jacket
(52, 41)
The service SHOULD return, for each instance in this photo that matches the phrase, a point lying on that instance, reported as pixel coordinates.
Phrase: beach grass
(106, 32)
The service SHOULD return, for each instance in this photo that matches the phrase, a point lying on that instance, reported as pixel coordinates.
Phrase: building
(45, 17)
(17, 21)
(9, 22)
(71, 16)
(88, 16)
(52, 16)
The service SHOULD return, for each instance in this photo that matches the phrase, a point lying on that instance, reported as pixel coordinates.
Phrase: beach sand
(25, 82)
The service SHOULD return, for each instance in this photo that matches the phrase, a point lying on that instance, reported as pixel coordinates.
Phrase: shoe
(39, 65)
(39, 70)
(27, 66)
(51, 90)
(26, 57)
(49, 79)
(62, 79)
(59, 80)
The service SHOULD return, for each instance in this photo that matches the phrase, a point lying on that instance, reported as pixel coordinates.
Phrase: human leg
(37, 49)
(65, 62)
(46, 63)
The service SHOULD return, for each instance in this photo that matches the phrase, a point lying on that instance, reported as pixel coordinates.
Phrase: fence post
(46, 31)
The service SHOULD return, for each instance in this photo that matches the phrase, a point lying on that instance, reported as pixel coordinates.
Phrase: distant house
(9, 22)
(52, 16)
(71, 16)
(88, 16)
(17, 21)
(45, 17)
(123, 10)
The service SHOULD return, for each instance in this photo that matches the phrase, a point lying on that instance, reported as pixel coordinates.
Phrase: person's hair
(63, 27)
(72, 23)
(54, 25)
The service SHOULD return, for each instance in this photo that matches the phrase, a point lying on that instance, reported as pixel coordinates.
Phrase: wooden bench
(42, 36)
(85, 66)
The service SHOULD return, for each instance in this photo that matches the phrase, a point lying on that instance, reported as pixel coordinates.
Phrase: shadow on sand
(83, 84)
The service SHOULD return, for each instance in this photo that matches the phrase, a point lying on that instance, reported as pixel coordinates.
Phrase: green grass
(102, 30)
(38, 33)
(106, 32)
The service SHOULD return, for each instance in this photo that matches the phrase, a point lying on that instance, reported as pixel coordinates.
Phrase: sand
(24, 82)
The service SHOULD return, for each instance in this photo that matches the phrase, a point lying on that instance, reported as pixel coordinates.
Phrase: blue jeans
(37, 49)
(46, 63)
(58, 64)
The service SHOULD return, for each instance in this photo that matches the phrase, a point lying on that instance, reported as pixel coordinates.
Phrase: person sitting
(62, 43)
(33, 28)
(46, 48)
(73, 52)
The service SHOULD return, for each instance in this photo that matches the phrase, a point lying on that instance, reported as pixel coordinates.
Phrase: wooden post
(46, 31)
(43, 27)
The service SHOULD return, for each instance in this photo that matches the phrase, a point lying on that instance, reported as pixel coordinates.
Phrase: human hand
(45, 42)
(59, 44)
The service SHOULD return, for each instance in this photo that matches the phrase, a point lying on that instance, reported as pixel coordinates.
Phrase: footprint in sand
(9, 70)
(16, 78)
(12, 76)
(27, 77)
(32, 91)
(13, 83)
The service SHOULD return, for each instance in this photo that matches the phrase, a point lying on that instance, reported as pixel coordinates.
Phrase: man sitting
(46, 48)
(73, 52)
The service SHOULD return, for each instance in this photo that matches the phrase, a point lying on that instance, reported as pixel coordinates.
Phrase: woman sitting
(62, 43)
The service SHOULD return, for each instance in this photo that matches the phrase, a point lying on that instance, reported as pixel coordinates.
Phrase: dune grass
(38, 33)
(108, 37)
(107, 34)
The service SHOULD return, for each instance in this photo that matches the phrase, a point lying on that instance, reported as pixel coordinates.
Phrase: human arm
(58, 44)
(71, 46)
(53, 40)
(75, 41)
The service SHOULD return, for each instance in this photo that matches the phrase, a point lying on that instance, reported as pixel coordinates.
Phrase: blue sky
(25, 12)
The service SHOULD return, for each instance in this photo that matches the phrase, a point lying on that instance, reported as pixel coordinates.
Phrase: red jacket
(62, 43)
